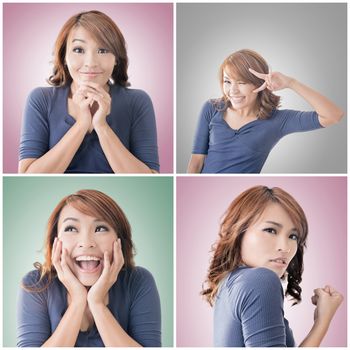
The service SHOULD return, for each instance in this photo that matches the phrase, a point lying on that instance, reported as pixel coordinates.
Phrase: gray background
(305, 41)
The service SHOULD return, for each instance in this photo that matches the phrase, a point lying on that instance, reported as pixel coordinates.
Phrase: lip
(282, 262)
(96, 270)
(90, 74)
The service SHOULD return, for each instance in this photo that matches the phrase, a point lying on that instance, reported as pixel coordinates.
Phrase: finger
(314, 299)
(53, 248)
(257, 74)
(327, 289)
(106, 265)
(260, 88)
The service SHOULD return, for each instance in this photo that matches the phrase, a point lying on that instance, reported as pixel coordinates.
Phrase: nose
(283, 245)
(87, 240)
(90, 59)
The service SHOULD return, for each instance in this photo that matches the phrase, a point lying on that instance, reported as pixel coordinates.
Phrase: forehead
(80, 34)
(274, 212)
(70, 211)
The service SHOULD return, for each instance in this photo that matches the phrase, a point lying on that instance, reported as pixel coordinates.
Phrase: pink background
(30, 31)
(201, 202)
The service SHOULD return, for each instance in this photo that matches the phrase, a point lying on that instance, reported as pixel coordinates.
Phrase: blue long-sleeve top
(46, 120)
(248, 310)
(133, 301)
(246, 149)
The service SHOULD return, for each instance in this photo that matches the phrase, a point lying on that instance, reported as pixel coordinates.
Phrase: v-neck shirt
(46, 120)
(133, 301)
(246, 149)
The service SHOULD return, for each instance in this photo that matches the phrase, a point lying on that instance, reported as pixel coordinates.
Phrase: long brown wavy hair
(240, 215)
(105, 32)
(92, 203)
(237, 65)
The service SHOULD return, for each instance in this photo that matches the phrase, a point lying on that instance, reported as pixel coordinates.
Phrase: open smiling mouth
(87, 263)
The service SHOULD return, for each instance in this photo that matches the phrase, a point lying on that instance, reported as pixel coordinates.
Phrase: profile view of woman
(88, 292)
(261, 242)
(236, 132)
(89, 121)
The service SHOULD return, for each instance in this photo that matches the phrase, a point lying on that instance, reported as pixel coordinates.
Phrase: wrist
(100, 126)
(292, 83)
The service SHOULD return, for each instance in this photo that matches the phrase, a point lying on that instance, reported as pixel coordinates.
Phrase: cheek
(105, 244)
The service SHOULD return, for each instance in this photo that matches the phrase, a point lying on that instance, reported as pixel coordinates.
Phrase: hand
(99, 95)
(99, 291)
(273, 81)
(82, 101)
(327, 300)
(76, 291)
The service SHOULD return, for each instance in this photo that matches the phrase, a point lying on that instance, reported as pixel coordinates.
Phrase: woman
(89, 121)
(261, 241)
(88, 292)
(236, 133)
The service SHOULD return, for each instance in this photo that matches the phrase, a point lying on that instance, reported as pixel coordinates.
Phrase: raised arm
(327, 301)
(327, 111)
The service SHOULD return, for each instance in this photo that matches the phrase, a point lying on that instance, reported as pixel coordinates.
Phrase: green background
(28, 203)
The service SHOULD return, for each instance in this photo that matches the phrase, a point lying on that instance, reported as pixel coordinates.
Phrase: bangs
(92, 208)
(236, 71)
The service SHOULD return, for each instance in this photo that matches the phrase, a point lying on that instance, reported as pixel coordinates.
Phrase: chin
(87, 281)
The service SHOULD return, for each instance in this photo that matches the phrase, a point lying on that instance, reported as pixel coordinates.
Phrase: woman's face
(86, 59)
(86, 238)
(239, 92)
(270, 242)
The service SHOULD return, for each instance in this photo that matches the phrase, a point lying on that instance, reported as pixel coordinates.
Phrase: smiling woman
(236, 132)
(261, 242)
(88, 291)
(89, 121)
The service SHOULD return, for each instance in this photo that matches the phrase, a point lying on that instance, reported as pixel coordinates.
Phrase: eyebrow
(279, 225)
(83, 41)
(274, 223)
(75, 219)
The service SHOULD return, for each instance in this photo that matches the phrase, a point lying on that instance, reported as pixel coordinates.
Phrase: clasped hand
(273, 81)
(327, 300)
(94, 103)
(78, 293)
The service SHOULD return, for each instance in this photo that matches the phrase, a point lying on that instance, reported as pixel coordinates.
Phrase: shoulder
(210, 108)
(46, 92)
(253, 279)
(130, 95)
(31, 278)
(140, 275)
(43, 97)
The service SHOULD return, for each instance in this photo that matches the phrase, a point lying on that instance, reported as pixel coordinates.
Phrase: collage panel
(266, 223)
(86, 213)
(95, 75)
(249, 74)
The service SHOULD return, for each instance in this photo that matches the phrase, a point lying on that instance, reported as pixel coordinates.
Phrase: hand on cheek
(77, 292)
(98, 292)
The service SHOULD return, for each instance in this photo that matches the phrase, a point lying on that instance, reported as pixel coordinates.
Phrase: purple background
(30, 31)
(201, 203)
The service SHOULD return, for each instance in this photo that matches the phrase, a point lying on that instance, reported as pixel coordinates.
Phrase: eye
(78, 50)
(103, 51)
(226, 81)
(101, 228)
(70, 228)
(270, 230)
(294, 237)
(242, 83)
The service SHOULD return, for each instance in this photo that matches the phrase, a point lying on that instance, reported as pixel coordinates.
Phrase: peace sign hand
(273, 81)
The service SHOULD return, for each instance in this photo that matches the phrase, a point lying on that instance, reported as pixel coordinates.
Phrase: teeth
(87, 258)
